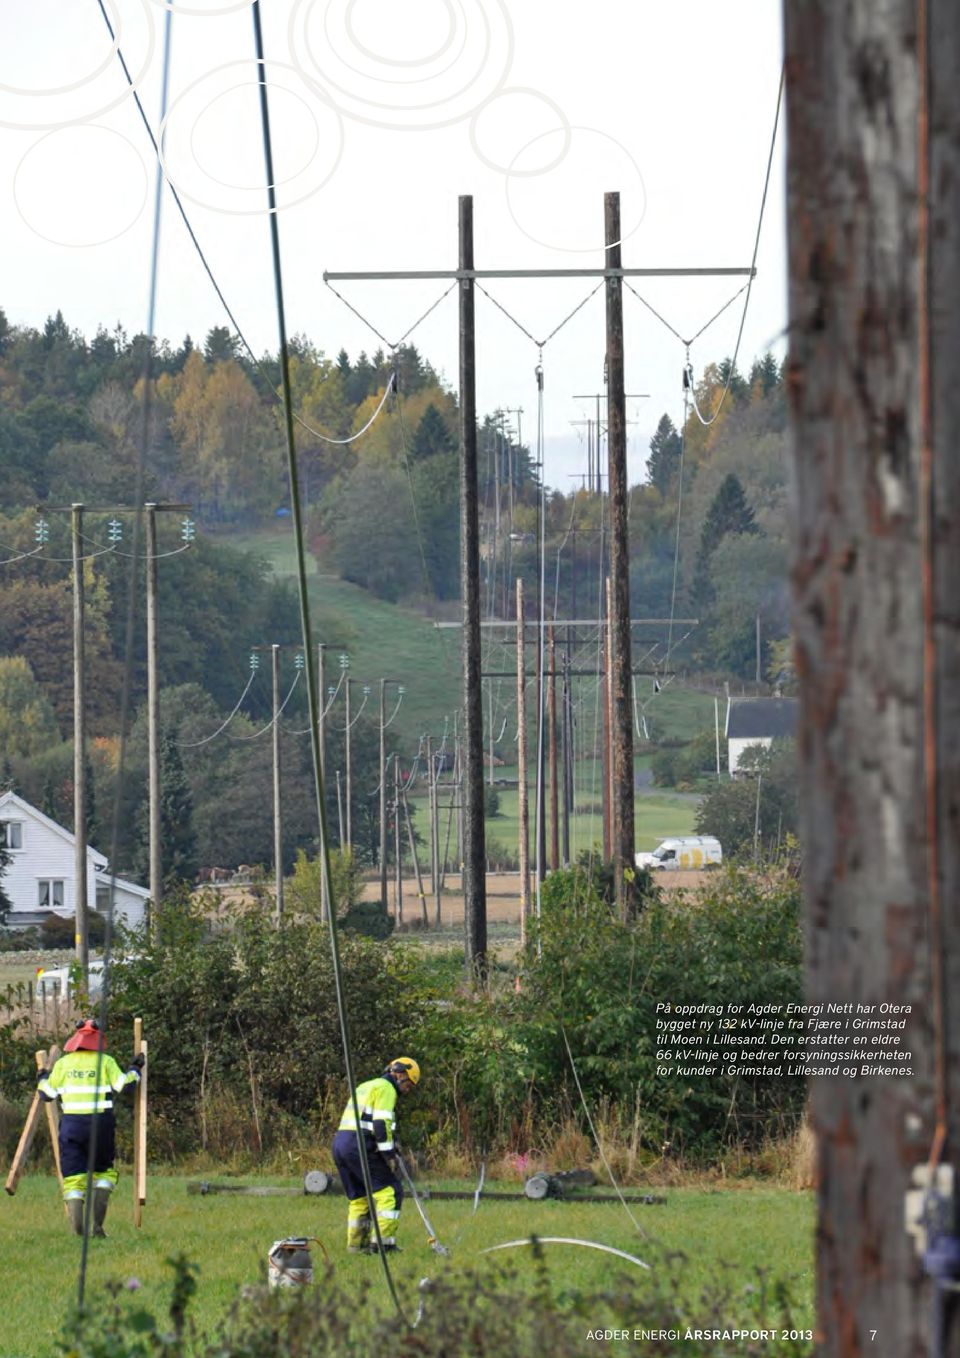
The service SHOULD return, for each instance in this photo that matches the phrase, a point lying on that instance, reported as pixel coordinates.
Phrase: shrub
(59, 931)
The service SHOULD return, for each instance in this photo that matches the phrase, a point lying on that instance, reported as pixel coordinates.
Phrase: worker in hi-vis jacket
(377, 1101)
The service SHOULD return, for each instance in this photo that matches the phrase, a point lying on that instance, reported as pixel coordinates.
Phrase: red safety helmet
(87, 1038)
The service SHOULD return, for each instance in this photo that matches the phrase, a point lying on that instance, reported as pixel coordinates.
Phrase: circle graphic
(401, 61)
(512, 174)
(565, 127)
(87, 115)
(201, 12)
(260, 187)
(468, 74)
(179, 176)
(103, 185)
(91, 75)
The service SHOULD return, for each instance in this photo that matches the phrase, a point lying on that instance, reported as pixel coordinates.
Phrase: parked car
(56, 980)
(687, 851)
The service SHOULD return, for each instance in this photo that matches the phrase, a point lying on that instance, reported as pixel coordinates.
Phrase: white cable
(193, 744)
(278, 712)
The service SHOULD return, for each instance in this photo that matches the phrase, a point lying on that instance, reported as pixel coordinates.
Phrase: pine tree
(219, 345)
(49, 803)
(432, 436)
(178, 840)
(664, 460)
(729, 513)
(8, 779)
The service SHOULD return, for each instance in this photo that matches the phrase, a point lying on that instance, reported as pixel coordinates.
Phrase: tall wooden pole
(343, 841)
(873, 213)
(277, 813)
(349, 763)
(153, 707)
(322, 733)
(567, 753)
(522, 797)
(624, 847)
(552, 737)
(79, 749)
(474, 846)
(433, 841)
(397, 846)
(383, 793)
(435, 836)
(605, 761)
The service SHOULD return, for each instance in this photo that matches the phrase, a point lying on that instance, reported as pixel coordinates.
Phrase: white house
(41, 877)
(757, 721)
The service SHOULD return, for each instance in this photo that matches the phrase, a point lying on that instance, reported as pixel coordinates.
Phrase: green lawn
(733, 1233)
(388, 639)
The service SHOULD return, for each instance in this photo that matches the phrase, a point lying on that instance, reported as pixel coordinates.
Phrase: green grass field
(388, 639)
(729, 1233)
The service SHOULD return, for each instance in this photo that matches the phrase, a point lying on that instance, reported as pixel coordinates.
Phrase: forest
(708, 529)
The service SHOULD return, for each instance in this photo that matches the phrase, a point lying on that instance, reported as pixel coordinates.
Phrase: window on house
(50, 893)
(11, 834)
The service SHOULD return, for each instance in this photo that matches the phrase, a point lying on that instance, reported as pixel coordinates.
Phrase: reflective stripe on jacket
(73, 1080)
(377, 1101)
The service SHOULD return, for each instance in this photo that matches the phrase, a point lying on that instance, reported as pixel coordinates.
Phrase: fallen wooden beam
(204, 1187)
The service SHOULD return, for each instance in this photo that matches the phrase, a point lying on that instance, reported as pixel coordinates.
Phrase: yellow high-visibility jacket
(377, 1100)
(73, 1080)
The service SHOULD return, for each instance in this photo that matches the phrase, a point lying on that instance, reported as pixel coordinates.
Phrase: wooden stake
(139, 1129)
(26, 1136)
(52, 1110)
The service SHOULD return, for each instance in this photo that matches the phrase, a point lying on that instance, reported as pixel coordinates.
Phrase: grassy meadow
(745, 1236)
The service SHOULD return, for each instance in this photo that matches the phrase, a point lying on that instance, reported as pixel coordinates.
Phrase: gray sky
(670, 103)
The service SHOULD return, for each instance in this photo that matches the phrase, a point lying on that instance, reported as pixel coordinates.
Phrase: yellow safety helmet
(405, 1065)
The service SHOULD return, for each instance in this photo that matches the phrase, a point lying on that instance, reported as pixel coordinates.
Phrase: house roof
(104, 879)
(12, 801)
(761, 718)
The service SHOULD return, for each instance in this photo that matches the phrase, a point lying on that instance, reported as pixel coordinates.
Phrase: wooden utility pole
(435, 837)
(605, 762)
(873, 180)
(523, 801)
(322, 746)
(397, 846)
(474, 845)
(277, 813)
(421, 894)
(79, 749)
(343, 841)
(624, 839)
(567, 754)
(153, 707)
(433, 841)
(349, 762)
(552, 740)
(383, 793)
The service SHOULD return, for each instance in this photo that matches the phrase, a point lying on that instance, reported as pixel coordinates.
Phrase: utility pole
(552, 739)
(624, 837)
(383, 793)
(474, 882)
(349, 761)
(567, 755)
(433, 842)
(474, 857)
(435, 836)
(340, 812)
(605, 762)
(153, 708)
(398, 851)
(277, 813)
(79, 748)
(421, 894)
(522, 799)
(322, 731)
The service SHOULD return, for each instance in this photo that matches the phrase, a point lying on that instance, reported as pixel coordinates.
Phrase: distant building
(41, 877)
(757, 721)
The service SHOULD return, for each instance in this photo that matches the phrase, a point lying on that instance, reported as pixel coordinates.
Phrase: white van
(688, 851)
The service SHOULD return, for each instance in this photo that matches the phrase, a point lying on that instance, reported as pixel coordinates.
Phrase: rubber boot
(101, 1201)
(75, 1215)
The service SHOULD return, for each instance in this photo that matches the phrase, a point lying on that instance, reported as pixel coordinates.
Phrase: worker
(85, 1079)
(377, 1101)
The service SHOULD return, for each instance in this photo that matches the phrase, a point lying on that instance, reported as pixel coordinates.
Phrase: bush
(491, 802)
(59, 931)
(20, 940)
